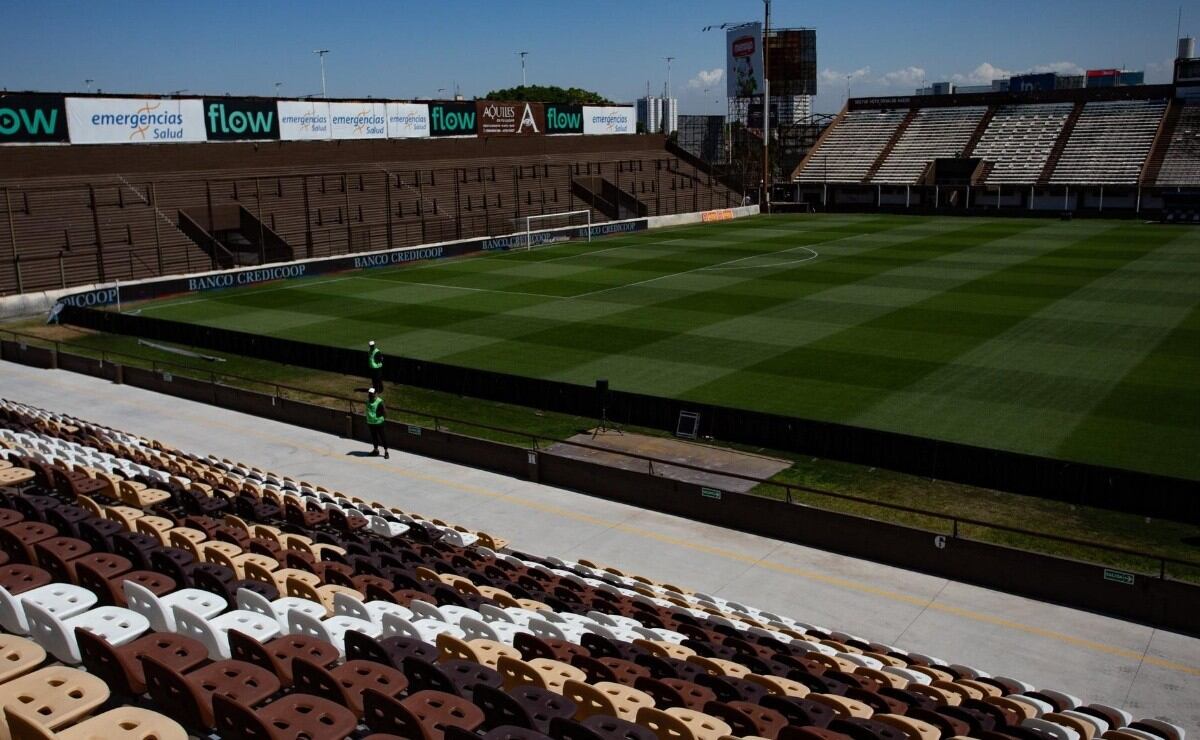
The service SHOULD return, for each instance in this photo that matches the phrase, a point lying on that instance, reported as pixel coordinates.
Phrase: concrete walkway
(1149, 672)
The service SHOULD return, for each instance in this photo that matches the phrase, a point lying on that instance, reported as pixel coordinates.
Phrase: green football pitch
(1078, 340)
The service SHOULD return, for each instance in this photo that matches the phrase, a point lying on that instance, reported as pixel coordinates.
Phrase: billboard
(407, 120)
(239, 119)
(792, 61)
(564, 119)
(744, 61)
(303, 120)
(1032, 83)
(501, 118)
(609, 120)
(33, 119)
(452, 119)
(358, 120)
(135, 120)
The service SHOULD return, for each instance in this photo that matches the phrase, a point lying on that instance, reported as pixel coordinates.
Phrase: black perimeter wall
(1078, 483)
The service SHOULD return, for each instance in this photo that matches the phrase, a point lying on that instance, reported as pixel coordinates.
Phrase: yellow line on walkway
(693, 545)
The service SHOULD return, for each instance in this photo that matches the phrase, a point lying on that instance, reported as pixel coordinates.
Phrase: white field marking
(813, 254)
(206, 297)
(456, 287)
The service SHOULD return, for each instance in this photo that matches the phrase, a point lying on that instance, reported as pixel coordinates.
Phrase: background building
(653, 111)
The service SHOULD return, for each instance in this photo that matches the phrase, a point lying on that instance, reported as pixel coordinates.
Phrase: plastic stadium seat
(62, 599)
(189, 695)
(424, 715)
(159, 611)
(57, 696)
(213, 633)
(131, 723)
(345, 684)
(292, 717)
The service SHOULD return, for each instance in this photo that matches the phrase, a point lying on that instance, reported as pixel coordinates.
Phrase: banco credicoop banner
(564, 119)
(452, 119)
(33, 119)
(240, 119)
(135, 120)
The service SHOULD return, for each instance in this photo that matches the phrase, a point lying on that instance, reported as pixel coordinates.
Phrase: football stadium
(537, 413)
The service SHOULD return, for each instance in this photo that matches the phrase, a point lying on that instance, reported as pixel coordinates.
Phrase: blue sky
(412, 49)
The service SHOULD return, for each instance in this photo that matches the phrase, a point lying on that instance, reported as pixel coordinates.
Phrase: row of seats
(1181, 165)
(933, 133)
(254, 605)
(1019, 140)
(846, 153)
(1109, 142)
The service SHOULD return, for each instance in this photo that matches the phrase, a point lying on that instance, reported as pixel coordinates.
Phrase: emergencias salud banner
(46, 118)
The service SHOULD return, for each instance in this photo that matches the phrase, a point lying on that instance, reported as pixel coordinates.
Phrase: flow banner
(135, 120)
(501, 118)
(608, 120)
(407, 120)
(33, 119)
(744, 61)
(303, 120)
(366, 120)
(564, 119)
(239, 119)
(452, 119)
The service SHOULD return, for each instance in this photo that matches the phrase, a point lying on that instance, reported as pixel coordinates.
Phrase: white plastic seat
(115, 625)
(345, 605)
(280, 608)
(158, 610)
(385, 528)
(459, 539)
(1053, 730)
(425, 630)
(499, 631)
(214, 633)
(63, 600)
(332, 630)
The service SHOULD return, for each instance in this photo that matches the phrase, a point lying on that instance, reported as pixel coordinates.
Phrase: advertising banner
(501, 118)
(452, 119)
(303, 120)
(564, 119)
(366, 120)
(240, 119)
(608, 120)
(407, 120)
(135, 120)
(744, 61)
(1032, 83)
(33, 119)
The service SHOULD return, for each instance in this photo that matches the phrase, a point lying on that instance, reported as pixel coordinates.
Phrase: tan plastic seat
(126, 723)
(665, 726)
(323, 595)
(914, 728)
(155, 526)
(18, 656)
(57, 696)
(666, 649)
(780, 685)
(844, 706)
(720, 666)
(703, 726)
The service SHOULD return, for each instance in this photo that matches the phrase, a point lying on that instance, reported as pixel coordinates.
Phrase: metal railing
(1148, 563)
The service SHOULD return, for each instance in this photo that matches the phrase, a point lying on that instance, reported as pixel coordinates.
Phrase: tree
(549, 94)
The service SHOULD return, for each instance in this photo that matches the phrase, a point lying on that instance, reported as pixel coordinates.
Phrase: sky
(402, 49)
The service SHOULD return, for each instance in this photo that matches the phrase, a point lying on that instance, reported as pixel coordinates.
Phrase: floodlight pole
(321, 53)
(766, 200)
(523, 54)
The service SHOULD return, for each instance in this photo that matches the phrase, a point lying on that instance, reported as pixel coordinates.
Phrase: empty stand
(1109, 142)
(932, 133)
(1019, 139)
(847, 152)
(1181, 163)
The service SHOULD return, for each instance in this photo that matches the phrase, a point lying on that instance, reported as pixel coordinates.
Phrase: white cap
(371, 343)
(370, 390)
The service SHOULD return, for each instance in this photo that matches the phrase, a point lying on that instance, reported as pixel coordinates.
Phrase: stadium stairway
(1162, 143)
(235, 600)
(890, 146)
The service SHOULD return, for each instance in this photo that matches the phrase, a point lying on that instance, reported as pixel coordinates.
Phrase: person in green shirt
(377, 423)
(375, 363)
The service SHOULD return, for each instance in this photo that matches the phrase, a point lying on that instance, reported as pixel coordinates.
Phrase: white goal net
(549, 228)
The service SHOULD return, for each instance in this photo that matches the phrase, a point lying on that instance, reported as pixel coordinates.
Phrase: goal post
(546, 222)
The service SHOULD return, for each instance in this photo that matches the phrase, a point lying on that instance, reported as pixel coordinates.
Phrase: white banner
(134, 120)
(303, 120)
(605, 120)
(366, 120)
(407, 120)
(744, 61)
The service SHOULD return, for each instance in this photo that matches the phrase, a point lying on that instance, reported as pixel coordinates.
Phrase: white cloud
(707, 78)
(1062, 68)
(833, 75)
(981, 75)
(907, 77)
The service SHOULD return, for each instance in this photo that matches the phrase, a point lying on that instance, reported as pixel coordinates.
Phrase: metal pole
(523, 55)
(321, 53)
(766, 200)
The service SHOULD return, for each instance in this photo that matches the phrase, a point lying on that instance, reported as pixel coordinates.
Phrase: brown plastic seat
(346, 683)
(544, 647)
(748, 719)
(277, 655)
(18, 578)
(292, 717)
(190, 695)
(127, 723)
(57, 696)
(425, 715)
(390, 651)
(121, 667)
(18, 656)
(18, 539)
